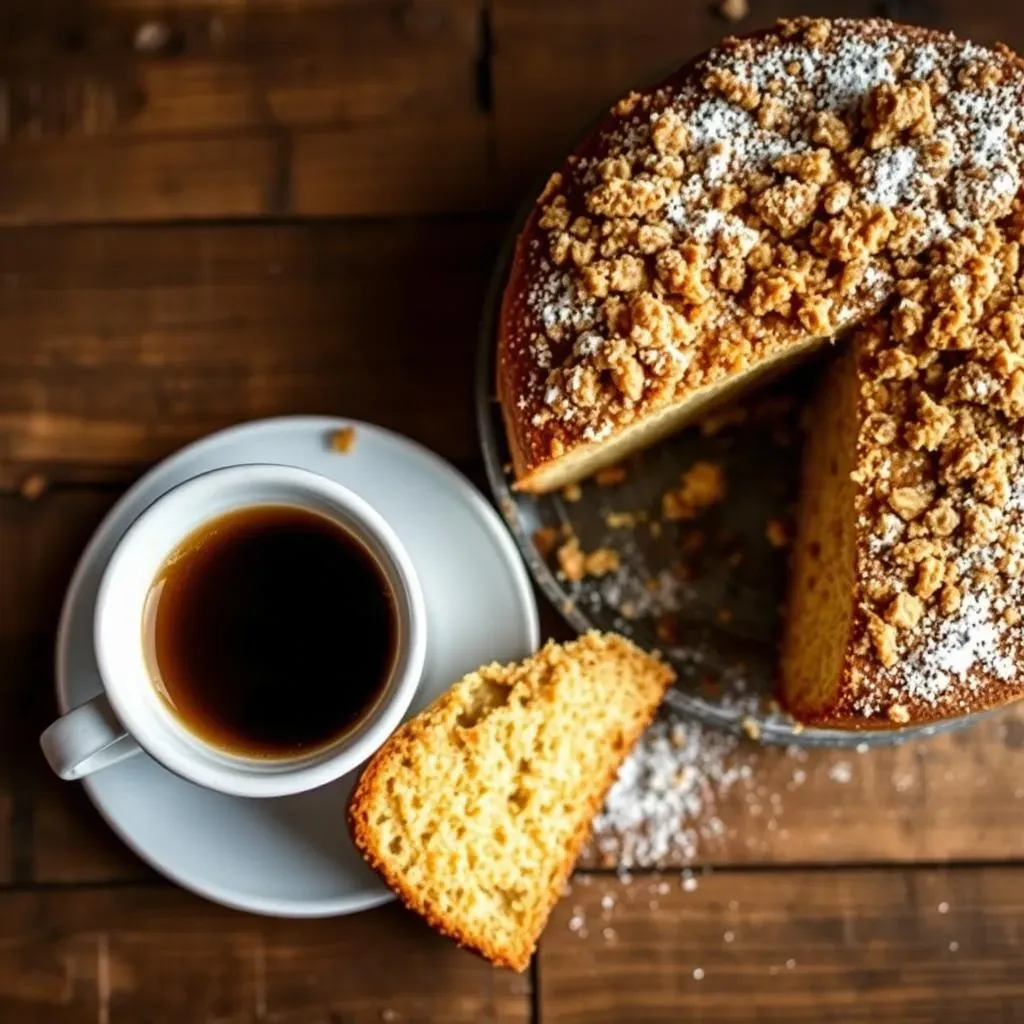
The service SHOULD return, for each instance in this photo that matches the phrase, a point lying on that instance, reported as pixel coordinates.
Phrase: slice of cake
(726, 222)
(475, 811)
(907, 585)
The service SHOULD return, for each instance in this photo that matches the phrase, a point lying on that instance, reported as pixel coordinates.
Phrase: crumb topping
(826, 174)
(765, 199)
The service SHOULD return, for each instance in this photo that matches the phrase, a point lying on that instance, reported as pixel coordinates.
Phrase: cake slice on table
(475, 811)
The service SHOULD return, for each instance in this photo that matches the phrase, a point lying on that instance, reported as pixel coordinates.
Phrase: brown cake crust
(608, 340)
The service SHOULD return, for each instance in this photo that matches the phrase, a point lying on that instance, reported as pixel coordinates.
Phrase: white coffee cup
(130, 716)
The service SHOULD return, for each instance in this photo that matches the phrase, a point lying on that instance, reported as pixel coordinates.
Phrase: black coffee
(270, 631)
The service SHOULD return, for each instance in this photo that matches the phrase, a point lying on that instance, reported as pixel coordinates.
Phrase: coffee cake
(821, 179)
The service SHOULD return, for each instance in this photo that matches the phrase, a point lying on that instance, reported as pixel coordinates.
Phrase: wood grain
(158, 955)
(52, 830)
(557, 67)
(121, 110)
(915, 946)
(121, 344)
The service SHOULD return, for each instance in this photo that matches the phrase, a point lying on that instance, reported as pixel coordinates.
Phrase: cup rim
(237, 775)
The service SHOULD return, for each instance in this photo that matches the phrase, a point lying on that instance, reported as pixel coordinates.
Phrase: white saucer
(292, 856)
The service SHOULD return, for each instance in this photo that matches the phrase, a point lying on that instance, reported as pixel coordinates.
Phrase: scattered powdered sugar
(644, 597)
(668, 802)
(970, 648)
(692, 219)
(656, 809)
(924, 58)
(966, 648)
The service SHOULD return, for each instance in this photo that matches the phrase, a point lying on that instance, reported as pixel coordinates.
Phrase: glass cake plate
(706, 591)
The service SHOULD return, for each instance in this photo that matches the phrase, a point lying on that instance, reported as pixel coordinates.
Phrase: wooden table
(214, 211)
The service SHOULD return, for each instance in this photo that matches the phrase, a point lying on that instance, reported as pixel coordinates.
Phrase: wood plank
(52, 830)
(725, 800)
(557, 67)
(957, 797)
(121, 344)
(913, 945)
(162, 956)
(133, 110)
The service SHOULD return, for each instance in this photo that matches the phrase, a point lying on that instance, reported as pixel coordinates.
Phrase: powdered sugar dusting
(963, 652)
(686, 789)
(892, 176)
(967, 648)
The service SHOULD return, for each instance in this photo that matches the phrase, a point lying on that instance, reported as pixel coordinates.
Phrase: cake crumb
(733, 10)
(601, 561)
(545, 540)
(610, 476)
(700, 487)
(343, 440)
(698, 974)
(751, 728)
(572, 493)
(777, 533)
(574, 563)
(898, 714)
(621, 520)
(33, 486)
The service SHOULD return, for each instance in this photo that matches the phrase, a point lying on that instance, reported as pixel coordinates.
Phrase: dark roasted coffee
(270, 631)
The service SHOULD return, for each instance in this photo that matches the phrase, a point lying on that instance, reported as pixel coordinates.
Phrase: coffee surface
(270, 632)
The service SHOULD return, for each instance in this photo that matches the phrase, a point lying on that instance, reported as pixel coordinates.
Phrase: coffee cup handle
(86, 739)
